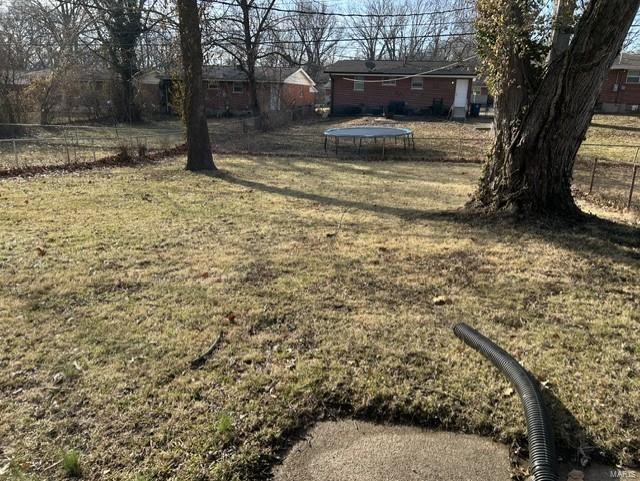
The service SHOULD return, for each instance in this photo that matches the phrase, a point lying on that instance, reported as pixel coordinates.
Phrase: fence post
(593, 174)
(66, 145)
(633, 181)
(75, 148)
(460, 150)
(15, 152)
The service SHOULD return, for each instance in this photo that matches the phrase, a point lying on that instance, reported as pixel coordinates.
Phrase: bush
(348, 110)
(396, 107)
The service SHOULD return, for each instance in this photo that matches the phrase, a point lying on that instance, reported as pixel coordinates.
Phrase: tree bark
(540, 128)
(199, 155)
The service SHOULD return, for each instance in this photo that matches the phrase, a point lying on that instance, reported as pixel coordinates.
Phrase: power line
(339, 14)
(302, 42)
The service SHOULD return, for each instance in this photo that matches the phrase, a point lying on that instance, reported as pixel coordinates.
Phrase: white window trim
(415, 87)
(389, 82)
(634, 74)
(233, 88)
(358, 82)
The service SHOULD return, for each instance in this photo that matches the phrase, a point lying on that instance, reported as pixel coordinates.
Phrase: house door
(274, 100)
(462, 88)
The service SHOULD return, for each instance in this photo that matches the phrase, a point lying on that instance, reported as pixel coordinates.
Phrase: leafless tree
(367, 29)
(58, 26)
(117, 26)
(18, 53)
(308, 36)
(199, 155)
(413, 29)
(239, 28)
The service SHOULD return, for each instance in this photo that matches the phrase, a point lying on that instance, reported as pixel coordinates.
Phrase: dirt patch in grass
(322, 278)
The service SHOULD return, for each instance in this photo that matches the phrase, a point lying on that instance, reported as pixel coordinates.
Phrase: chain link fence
(606, 173)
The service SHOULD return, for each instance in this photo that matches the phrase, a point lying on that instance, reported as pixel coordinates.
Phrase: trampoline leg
(360, 145)
(375, 140)
(354, 141)
(413, 141)
(325, 143)
(383, 139)
(337, 141)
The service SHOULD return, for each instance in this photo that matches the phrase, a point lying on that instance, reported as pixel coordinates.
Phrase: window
(238, 87)
(633, 77)
(358, 84)
(416, 83)
(389, 82)
(213, 85)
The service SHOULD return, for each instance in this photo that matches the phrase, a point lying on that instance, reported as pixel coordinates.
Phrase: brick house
(227, 90)
(412, 87)
(621, 89)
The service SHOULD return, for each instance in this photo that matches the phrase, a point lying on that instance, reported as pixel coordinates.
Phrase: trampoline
(369, 132)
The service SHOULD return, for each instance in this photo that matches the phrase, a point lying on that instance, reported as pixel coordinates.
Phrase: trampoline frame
(405, 133)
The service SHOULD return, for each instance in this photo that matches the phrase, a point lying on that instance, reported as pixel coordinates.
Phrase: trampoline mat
(368, 132)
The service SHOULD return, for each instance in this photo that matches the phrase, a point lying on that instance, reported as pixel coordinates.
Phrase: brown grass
(321, 275)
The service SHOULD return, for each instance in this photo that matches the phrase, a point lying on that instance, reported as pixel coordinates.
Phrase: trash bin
(474, 111)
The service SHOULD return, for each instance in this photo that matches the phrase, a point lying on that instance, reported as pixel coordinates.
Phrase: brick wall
(217, 99)
(628, 94)
(294, 95)
(377, 95)
(291, 96)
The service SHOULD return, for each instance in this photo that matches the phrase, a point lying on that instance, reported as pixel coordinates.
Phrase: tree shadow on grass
(399, 212)
(616, 127)
(573, 442)
(589, 235)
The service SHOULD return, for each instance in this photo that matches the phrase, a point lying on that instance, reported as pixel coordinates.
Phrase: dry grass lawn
(321, 278)
(611, 137)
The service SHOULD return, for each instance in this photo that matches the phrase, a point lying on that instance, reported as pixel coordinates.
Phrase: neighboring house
(326, 93)
(480, 92)
(621, 89)
(413, 87)
(227, 90)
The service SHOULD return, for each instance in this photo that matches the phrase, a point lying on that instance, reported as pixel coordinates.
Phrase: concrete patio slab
(358, 451)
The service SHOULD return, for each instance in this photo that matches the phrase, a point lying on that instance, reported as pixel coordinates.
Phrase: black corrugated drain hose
(542, 453)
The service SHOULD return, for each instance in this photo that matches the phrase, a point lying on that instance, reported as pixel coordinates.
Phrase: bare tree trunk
(199, 155)
(254, 103)
(539, 130)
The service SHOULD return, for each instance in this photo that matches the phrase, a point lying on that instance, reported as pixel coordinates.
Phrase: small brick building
(412, 87)
(621, 89)
(227, 90)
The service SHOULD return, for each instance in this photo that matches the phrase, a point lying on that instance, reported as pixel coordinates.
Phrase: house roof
(625, 61)
(399, 67)
(233, 73)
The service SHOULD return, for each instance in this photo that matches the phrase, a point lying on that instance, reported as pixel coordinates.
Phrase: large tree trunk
(254, 102)
(128, 110)
(199, 155)
(539, 129)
